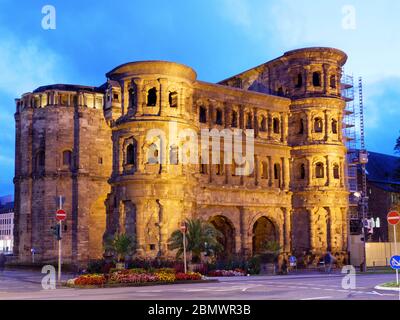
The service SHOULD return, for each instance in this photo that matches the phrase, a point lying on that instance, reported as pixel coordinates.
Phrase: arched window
(264, 167)
(234, 119)
(218, 117)
(203, 168)
(276, 125)
(332, 81)
(153, 154)
(301, 126)
(302, 171)
(174, 155)
(67, 158)
(263, 126)
(173, 99)
(131, 153)
(203, 114)
(319, 170)
(334, 126)
(277, 171)
(152, 97)
(40, 161)
(219, 169)
(249, 123)
(132, 98)
(336, 171)
(299, 81)
(316, 79)
(318, 125)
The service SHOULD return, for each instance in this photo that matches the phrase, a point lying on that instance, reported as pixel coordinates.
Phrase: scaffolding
(353, 136)
(350, 138)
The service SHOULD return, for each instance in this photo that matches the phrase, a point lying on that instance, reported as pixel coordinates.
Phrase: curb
(386, 288)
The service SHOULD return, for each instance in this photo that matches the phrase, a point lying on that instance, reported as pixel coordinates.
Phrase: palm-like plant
(121, 244)
(201, 236)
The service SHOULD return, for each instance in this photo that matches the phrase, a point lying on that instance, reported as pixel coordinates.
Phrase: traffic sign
(61, 215)
(395, 262)
(393, 218)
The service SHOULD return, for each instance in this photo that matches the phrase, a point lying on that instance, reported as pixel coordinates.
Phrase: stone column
(306, 75)
(310, 170)
(287, 173)
(326, 75)
(140, 230)
(311, 228)
(309, 126)
(283, 174)
(340, 127)
(345, 228)
(124, 90)
(329, 229)
(139, 96)
(270, 173)
(328, 171)
(287, 229)
(327, 135)
(163, 96)
(285, 127)
(269, 123)
(181, 100)
(255, 123)
(256, 170)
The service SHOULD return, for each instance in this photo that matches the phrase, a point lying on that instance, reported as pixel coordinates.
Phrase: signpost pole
(395, 252)
(184, 252)
(183, 230)
(59, 245)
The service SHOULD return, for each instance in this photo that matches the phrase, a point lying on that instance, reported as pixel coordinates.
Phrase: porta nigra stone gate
(91, 145)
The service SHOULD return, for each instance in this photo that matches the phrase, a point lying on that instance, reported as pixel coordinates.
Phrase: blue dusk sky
(218, 38)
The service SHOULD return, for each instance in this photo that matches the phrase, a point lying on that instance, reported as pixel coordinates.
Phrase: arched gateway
(225, 226)
(264, 230)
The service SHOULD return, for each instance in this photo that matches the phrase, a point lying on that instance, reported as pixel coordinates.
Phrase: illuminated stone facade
(92, 145)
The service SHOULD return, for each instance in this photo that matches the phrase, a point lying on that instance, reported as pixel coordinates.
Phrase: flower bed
(227, 273)
(188, 276)
(90, 280)
(132, 276)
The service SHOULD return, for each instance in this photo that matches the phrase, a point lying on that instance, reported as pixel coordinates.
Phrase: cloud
(24, 65)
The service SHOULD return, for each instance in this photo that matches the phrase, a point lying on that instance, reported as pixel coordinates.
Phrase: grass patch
(390, 285)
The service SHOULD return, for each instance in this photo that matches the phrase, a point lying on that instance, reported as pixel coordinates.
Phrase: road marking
(317, 298)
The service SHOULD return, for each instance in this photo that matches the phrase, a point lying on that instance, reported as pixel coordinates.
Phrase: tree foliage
(121, 245)
(201, 236)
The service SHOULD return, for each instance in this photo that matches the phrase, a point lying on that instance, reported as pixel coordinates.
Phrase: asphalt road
(18, 284)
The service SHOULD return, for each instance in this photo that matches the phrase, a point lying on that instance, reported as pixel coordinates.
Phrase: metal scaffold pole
(363, 161)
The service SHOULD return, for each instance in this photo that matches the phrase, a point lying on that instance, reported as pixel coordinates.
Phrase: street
(24, 284)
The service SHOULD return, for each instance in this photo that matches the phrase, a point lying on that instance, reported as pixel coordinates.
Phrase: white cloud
(27, 65)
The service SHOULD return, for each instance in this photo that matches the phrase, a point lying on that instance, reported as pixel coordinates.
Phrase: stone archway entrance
(264, 230)
(225, 226)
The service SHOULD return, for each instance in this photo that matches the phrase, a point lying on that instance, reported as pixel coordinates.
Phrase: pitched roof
(382, 168)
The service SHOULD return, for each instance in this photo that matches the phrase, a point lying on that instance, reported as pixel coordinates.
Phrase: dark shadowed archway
(264, 230)
(225, 226)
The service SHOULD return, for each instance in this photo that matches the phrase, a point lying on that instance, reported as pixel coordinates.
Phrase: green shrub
(254, 265)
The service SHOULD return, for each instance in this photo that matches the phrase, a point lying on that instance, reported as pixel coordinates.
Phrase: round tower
(154, 160)
(311, 78)
(62, 149)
